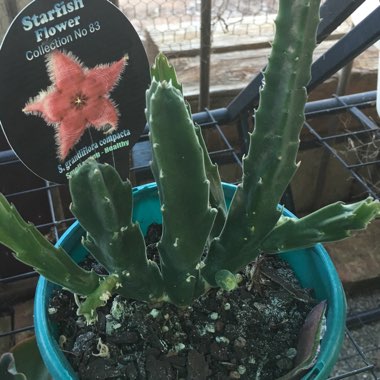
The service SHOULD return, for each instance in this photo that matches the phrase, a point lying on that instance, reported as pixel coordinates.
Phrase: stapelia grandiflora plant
(203, 244)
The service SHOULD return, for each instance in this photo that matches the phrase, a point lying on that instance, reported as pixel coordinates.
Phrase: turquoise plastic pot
(313, 268)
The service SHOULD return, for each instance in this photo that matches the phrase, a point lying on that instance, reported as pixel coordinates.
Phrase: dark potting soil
(249, 333)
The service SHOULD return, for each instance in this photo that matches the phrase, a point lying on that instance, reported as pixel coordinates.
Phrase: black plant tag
(73, 78)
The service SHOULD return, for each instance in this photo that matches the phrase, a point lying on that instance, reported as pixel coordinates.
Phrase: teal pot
(312, 266)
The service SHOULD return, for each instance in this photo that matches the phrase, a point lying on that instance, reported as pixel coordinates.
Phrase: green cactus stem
(217, 200)
(330, 223)
(98, 298)
(102, 203)
(278, 122)
(162, 70)
(179, 170)
(32, 248)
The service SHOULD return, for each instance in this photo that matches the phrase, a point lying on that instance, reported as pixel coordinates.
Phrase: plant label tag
(73, 77)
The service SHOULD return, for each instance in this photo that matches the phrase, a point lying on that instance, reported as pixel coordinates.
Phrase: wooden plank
(230, 70)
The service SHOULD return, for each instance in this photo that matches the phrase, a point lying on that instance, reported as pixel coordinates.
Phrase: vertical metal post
(204, 92)
(52, 210)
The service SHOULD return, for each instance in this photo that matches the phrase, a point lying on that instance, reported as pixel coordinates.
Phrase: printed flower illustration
(77, 99)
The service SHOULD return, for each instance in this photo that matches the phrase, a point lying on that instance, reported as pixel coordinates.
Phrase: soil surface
(249, 333)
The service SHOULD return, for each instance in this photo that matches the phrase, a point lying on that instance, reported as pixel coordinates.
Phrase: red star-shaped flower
(77, 99)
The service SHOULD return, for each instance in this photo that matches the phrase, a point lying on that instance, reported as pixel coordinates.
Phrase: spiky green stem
(32, 248)
(179, 170)
(163, 71)
(102, 203)
(217, 200)
(98, 298)
(270, 163)
(333, 222)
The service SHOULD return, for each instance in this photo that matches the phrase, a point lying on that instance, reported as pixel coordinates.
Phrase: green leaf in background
(308, 342)
(8, 369)
(24, 362)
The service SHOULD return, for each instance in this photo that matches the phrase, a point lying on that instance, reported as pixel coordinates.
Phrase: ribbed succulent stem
(179, 169)
(333, 222)
(270, 162)
(98, 298)
(217, 200)
(32, 248)
(102, 203)
(161, 71)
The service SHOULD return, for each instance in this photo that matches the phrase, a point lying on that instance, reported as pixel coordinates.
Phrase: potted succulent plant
(203, 244)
